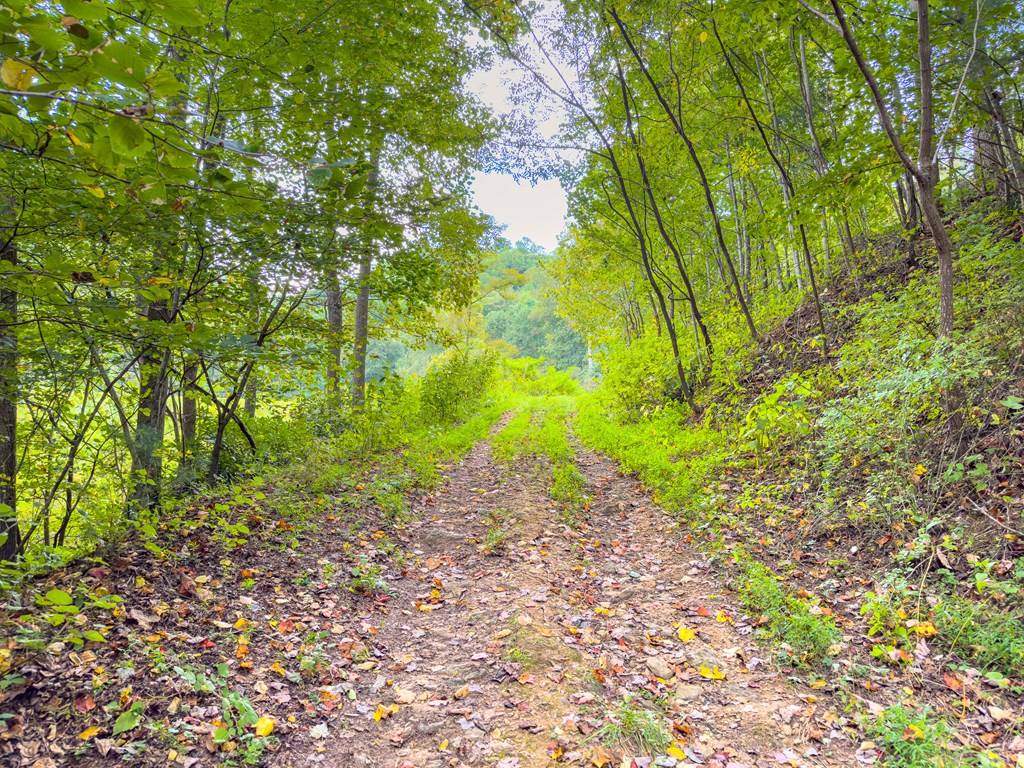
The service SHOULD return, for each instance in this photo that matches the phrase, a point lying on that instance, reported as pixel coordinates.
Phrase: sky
(537, 211)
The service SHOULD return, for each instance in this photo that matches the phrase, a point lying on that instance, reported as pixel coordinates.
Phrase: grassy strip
(539, 430)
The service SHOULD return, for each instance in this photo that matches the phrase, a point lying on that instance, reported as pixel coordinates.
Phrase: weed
(914, 740)
(631, 724)
(519, 656)
(494, 539)
(805, 634)
(366, 578)
(983, 635)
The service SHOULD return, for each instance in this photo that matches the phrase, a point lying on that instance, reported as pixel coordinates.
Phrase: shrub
(454, 385)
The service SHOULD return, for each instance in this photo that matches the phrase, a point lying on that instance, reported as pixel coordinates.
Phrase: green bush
(454, 385)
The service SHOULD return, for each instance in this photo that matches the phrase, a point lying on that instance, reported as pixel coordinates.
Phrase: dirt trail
(514, 659)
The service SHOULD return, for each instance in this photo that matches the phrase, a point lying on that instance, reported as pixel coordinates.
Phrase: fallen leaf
(710, 673)
(265, 726)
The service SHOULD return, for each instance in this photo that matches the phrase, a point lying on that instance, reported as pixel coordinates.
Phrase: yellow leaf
(676, 752)
(920, 470)
(703, 37)
(242, 623)
(89, 732)
(96, 191)
(16, 74)
(723, 618)
(686, 634)
(265, 726)
(279, 668)
(925, 629)
(711, 673)
(816, 684)
(443, 745)
(379, 713)
(913, 732)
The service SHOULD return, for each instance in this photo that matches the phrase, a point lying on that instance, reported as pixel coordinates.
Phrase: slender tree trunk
(10, 532)
(147, 465)
(335, 330)
(925, 170)
(1007, 141)
(189, 410)
(698, 166)
(360, 339)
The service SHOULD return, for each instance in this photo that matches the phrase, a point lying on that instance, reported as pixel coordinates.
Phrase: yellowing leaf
(265, 726)
(710, 673)
(913, 732)
(89, 732)
(686, 634)
(676, 752)
(924, 629)
(443, 745)
(723, 618)
(96, 191)
(703, 37)
(16, 74)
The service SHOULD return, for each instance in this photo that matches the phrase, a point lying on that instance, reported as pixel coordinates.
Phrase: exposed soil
(514, 658)
(519, 655)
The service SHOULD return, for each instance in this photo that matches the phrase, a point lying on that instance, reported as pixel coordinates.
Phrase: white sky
(533, 211)
(537, 211)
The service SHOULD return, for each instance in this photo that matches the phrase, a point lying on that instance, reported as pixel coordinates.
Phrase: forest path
(518, 658)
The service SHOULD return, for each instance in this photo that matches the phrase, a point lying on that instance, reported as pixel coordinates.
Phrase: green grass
(915, 740)
(804, 636)
(635, 727)
(979, 634)
(539, 430)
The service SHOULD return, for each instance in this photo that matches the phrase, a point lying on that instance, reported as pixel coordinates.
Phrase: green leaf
(58, 597)
(320, 177)
(128, 719)
(89, 11)
(126, 135)
(94, 636)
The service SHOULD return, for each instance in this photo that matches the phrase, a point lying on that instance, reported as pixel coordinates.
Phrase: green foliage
(519, 309)
(780, 416)
(805, 635)
(633, 726)
(365, 578)
(453, 386)
(984, 635)
(915, 740)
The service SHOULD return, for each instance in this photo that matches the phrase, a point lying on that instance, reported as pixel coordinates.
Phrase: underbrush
(804, 634)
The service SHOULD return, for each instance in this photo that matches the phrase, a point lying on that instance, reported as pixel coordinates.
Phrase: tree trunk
(362, 326)
(10, 532)
(189, 411)
(147, 464)
(335, 329)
